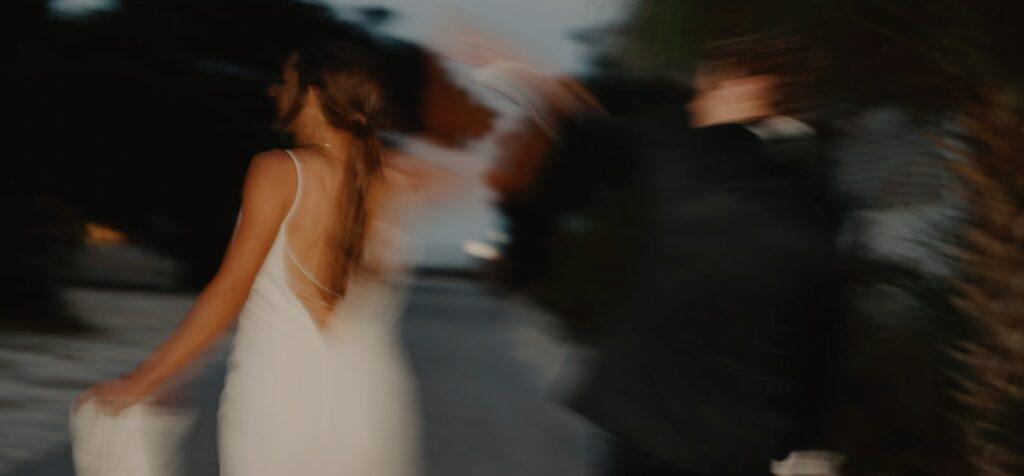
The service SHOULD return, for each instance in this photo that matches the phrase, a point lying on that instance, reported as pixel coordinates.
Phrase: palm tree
(991, 287)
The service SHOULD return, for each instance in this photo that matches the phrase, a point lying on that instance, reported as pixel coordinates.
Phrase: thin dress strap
(287, 220)
(298, 186)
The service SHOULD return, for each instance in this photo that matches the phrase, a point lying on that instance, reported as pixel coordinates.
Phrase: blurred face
(285, 91)
(729, 97)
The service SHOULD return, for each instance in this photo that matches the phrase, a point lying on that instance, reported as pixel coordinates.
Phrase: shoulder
(403, 170)
(605, 134)
(270, 179)
(271, 163)
(727, 136)
(271, 167)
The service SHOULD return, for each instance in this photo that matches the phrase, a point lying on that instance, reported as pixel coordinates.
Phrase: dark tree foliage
(143, 117)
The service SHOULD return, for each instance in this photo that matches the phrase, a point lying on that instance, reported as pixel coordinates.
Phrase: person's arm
(519, 76)
(264, 203)
(545, 98)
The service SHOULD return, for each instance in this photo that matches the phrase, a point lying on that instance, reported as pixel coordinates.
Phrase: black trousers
(624, 460)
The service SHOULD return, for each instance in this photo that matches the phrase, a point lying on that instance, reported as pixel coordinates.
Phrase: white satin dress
(303, 399)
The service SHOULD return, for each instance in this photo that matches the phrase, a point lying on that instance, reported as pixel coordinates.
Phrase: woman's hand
(116, 395)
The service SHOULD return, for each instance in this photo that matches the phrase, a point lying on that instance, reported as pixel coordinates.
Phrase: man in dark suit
(712, 361)
(715, 362)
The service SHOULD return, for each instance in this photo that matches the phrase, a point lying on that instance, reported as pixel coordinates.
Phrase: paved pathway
(486, 367)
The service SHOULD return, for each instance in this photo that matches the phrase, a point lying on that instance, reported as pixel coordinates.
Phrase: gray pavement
(487, 367)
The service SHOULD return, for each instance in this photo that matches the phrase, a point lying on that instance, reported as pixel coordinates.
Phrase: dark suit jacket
(718, 349)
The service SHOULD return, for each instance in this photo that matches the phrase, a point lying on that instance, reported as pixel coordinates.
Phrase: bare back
(320, 386)
(315, 223)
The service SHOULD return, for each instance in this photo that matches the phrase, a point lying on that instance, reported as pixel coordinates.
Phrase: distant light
(80, 7)
(102, 235)
(480, 250)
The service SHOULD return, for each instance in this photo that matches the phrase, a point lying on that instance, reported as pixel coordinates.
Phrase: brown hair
(352, 100)
(796, 63)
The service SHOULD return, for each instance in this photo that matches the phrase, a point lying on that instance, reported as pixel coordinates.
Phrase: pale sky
(537, 28)
(74, 7)
(540, 27)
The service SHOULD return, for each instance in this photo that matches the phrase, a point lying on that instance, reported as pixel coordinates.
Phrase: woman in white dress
(317, 383)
